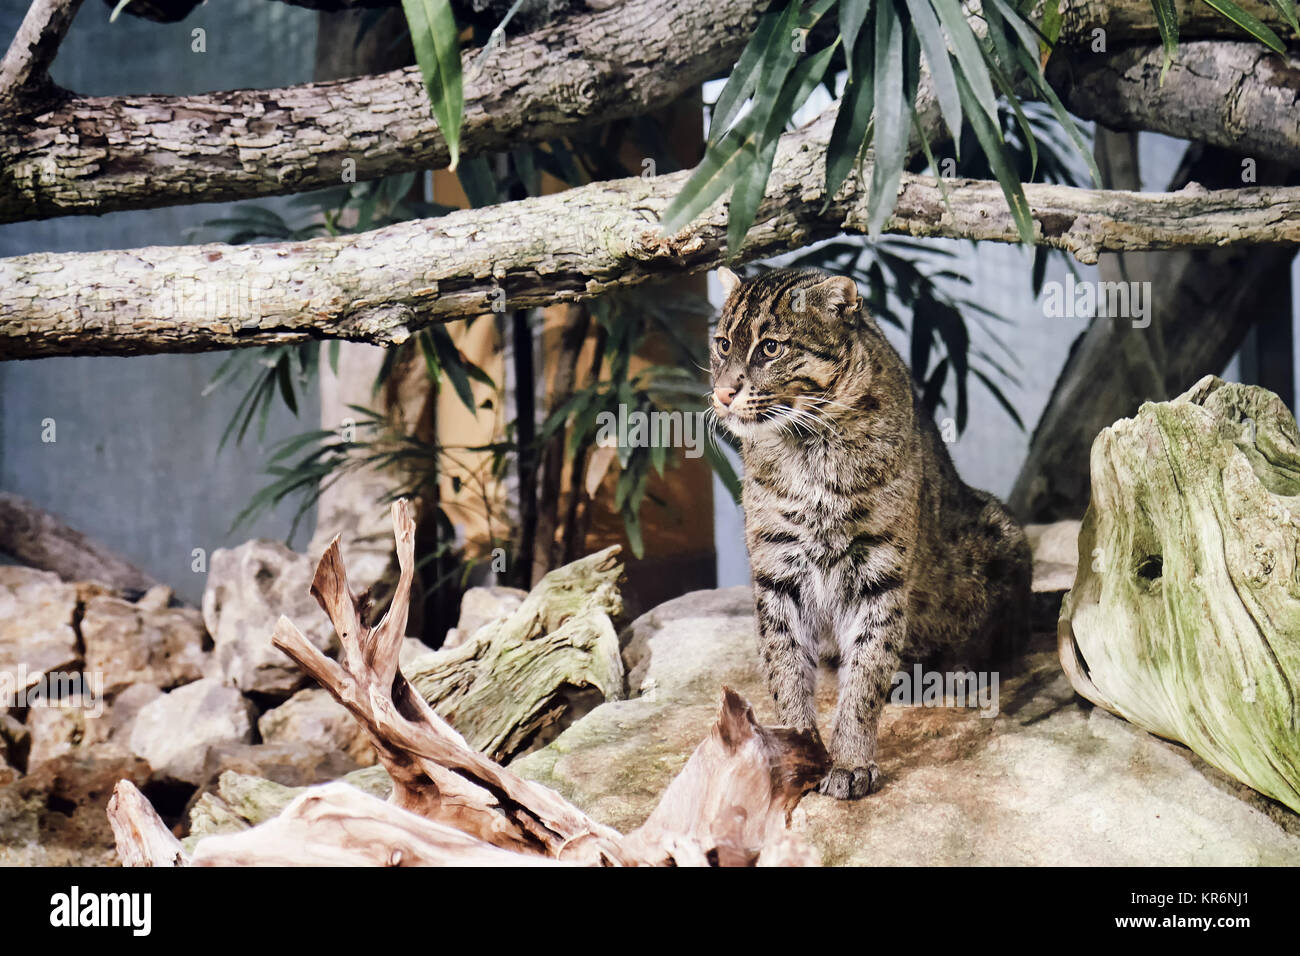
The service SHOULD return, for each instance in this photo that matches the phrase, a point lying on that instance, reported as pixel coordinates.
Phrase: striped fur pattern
(867, 549)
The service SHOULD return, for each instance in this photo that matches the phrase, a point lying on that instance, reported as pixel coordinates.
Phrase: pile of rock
(95, 688)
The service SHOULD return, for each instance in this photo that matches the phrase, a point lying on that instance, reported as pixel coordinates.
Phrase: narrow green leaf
(970, 59)
(480, 185)
(1167, 23)
(436, 40)
(450, 359)
(1024, 31)
(935, 49)
(1288, 11)
(892, 121)
(852, 15)
(995, 151)
(1250, 23)
(744, 76)
(853, 118)
(1062, 116)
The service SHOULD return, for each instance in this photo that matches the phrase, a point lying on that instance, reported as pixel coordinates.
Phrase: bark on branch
(147, 151)
(1240, 96)
(380, 286)
(24, 71)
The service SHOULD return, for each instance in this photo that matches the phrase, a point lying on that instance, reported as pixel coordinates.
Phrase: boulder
(55, 731)
(57, 814)
(481, 606)
(120, 714)
(175, 731)
(143, 643)
(248, 588)
(37, 634)
(288, 764)
(1048, 780)
(313, 720)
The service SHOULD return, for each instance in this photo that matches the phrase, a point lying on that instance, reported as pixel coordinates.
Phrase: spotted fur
(866, 547)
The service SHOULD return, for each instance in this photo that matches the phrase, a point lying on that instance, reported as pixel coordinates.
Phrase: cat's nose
(724, 395)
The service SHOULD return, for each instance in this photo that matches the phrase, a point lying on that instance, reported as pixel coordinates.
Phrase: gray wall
(135, 463)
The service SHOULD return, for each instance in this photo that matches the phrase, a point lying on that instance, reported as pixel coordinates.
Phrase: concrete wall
(135, 463)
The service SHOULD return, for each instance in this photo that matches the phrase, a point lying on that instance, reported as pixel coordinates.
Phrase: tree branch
(25, 69)
(148, 151)
(1240, 96)
(380, 286)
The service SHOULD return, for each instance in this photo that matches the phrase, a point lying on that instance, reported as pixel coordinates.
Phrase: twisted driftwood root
(730, 805)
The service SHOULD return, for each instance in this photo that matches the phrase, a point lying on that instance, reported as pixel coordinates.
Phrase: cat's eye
(724, 345)
(772, 348)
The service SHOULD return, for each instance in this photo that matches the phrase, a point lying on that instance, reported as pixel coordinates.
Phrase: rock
(248, 588)
(289, 764)
(314, 720)
(1056, 561)
(146, 642)
(55, 731)
(15, 740)
(37, 611)
(1048, 781)
(120, 714)
(175, 731)
(57, 815)
(481, 606)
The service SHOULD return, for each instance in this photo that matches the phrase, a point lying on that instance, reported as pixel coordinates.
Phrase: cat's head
(779, 349)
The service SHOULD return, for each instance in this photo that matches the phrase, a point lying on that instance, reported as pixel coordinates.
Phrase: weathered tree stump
(524, 673)
(1185, 614)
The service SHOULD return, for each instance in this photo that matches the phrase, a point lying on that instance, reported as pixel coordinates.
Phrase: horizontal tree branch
(1131, 21)
(1239, 96)
(381, 286)
(629, 59)
(100, 154)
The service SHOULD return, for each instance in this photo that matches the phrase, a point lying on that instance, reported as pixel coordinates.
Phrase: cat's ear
(838, 293)
(728, 279)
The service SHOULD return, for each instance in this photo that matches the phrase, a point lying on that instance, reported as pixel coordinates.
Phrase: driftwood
(1184, 617)
(141, 836)
(40, 540)
(522, 674)
(731, 803)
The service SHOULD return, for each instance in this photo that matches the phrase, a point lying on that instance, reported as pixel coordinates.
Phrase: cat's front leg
(789, 660)
(871, 642)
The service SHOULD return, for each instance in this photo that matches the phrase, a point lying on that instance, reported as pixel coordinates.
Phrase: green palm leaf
(436, 40)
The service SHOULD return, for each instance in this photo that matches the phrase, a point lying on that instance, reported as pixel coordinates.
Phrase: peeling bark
(100, 154)
(380, 286)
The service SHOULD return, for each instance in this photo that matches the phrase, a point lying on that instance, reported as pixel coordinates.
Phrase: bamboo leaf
(853, 119)
(1288, 11)
(893, 117)
(744, 76)
(935, 49)
(995, 151)
(970, 59)
(1250, 23)
(1167, 23)
(436, 40)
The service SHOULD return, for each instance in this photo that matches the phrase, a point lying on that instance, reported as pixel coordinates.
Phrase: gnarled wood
(519, 675)
(1184, 617)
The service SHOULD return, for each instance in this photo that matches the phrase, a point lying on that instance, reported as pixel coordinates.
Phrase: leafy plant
(436, 39)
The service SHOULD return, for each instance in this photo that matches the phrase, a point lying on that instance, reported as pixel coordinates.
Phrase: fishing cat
(864, 543)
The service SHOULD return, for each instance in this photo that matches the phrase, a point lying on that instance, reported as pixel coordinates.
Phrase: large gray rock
(37, 610)
(481, 606)
(311, 719)
(175, 732)
(248, 588)
(1049, 780)
(143, 643)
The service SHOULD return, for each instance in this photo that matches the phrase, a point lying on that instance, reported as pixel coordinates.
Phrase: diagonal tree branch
(1240, 96)
(25, 69)
(148, 151)
(380, 286)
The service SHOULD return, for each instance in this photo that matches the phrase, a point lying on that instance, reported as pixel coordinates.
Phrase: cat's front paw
(845, 784)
